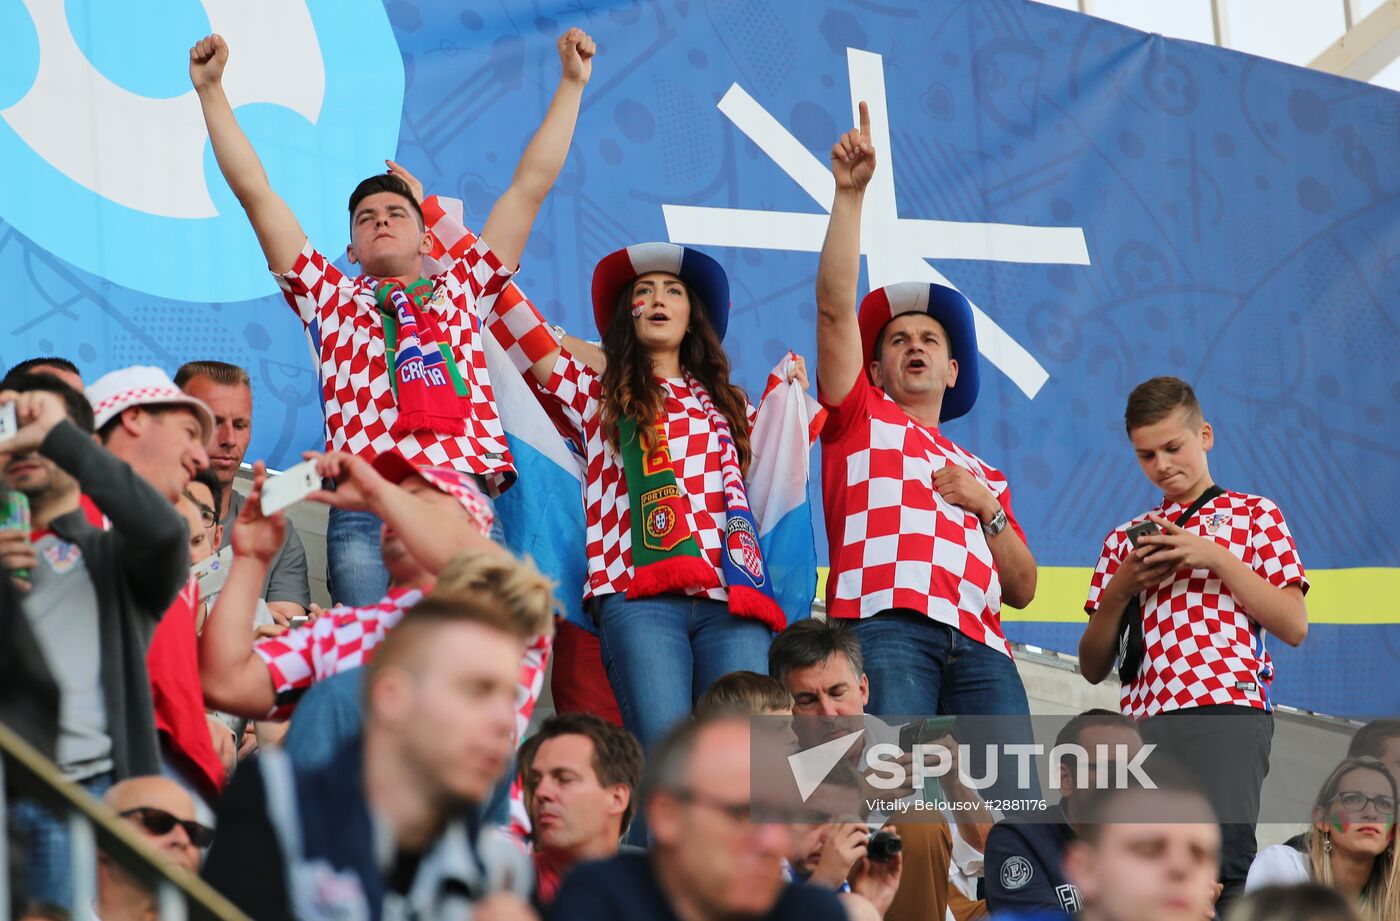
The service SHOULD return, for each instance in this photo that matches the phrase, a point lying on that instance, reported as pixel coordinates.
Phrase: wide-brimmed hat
(142, 385)
(948, 307)
(701, 274)
(458, 484)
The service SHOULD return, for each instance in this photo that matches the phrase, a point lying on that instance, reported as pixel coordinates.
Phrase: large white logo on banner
(896, 249)
(106, 148)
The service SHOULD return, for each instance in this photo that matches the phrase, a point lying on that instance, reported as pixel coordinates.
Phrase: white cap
(142, 385)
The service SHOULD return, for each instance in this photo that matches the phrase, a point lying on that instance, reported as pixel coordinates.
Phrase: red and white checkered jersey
(1202, 647)
(532, 668)
(347, 336)
(695, 459)
(894, 542)
(337, 641)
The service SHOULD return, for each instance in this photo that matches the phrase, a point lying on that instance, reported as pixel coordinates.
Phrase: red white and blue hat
(396, 468)
(701, 274)
(948, 307)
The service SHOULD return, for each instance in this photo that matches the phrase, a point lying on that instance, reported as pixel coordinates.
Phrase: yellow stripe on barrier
(1365, 595)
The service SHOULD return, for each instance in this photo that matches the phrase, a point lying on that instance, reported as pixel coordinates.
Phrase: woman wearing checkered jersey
(676, 579)
(1209, 590)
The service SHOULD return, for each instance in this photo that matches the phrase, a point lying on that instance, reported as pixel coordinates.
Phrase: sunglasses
(159, 822)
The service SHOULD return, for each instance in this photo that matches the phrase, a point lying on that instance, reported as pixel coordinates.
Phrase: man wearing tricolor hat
(924, 547)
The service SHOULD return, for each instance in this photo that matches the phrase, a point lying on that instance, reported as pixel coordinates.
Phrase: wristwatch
(997, 524)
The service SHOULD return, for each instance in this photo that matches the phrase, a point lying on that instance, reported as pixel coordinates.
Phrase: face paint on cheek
(1340, 825)
(637, 307)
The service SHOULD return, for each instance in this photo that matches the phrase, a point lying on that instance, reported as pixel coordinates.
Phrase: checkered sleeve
(314, 287)
(520, 328)
(841, 416)
(1275, 556)
(337, 641)
(576, 389)
(1001, 488)
(1109, 559)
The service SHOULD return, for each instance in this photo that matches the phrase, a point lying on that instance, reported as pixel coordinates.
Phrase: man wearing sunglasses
(163, 813)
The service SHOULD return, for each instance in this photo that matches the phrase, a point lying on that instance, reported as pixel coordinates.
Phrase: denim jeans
(44, 837)
(354, 566)
(919, 667)
(663, 652)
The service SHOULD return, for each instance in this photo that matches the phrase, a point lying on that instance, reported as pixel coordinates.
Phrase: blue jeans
(919, 667)
(663, 652)
(354, 565)
(44, 837)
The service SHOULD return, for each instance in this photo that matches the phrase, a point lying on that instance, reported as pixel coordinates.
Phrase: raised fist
(576, 51)
(207, 60)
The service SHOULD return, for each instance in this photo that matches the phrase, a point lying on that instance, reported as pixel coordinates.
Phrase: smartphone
(290, 487)
(1142, 529)
(14, 514)
(921, 732)
(299, 621)
(9, 422)
(212, 572)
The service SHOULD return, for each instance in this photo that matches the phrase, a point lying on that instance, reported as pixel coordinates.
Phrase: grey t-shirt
(286, 578)
(62, 610)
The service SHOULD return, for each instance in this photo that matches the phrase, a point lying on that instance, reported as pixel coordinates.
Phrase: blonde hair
(1380, 897)
(502, 581)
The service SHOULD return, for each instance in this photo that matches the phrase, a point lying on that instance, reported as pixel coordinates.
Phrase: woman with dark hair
(676, 579)
(1350, 846)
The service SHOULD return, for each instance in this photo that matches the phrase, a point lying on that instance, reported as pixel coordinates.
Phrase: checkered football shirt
(347, 336)
(894, 542)
(1202, 648)
(694, 458)
(345, 638)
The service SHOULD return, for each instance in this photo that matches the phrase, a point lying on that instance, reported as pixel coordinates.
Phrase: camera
(884, 846)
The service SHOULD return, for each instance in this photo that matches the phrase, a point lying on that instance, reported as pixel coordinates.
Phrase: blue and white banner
(1115, 204)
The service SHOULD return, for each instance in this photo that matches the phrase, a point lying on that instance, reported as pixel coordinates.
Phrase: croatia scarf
(430, 392)
(665, 556)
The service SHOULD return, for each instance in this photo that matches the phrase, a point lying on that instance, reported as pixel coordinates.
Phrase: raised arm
(508, 226)
(839, 354)
(235, 679)
(277, 228)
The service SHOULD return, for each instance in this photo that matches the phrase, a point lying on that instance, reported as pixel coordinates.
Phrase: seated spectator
(1146, 855)
(1350, 846)
(52, 365)
(389, 829)
(830, 854)
(708, 860)
(1025, 859)
(228, 393)
(164, 814)
(429, 515)
(1379, 739)
(1303, 902)
(581, 777)
(820, 664)
(145, 420)
(93, 598)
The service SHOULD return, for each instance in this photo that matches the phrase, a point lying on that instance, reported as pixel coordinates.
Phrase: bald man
(163, 813)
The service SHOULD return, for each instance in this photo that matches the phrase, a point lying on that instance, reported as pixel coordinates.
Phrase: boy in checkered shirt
(1209, 590)
(401, 363)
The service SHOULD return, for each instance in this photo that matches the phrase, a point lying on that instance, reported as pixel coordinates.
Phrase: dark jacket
(1024, 867)
(137, 569)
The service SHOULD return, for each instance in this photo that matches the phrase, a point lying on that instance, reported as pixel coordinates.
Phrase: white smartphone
(211, 573)
(9, 422)
(290, 487)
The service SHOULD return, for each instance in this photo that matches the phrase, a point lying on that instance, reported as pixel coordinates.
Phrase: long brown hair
(631, 390)
(1380, 897)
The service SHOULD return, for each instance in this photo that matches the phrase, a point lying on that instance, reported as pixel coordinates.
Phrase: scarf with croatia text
(430, 392)
(666, 557)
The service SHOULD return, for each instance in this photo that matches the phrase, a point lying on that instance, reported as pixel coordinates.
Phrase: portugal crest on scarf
(741, 543)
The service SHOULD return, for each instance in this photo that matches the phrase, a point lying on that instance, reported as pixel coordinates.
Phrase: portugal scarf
(665, 556)
(430, 393)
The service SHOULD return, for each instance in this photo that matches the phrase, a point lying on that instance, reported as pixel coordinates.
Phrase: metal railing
(26, 774)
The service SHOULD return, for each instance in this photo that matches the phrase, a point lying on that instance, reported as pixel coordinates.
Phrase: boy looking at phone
(1208, 586)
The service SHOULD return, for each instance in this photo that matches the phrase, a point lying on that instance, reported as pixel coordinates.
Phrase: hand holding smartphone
(1142, 529)
(290, 487)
